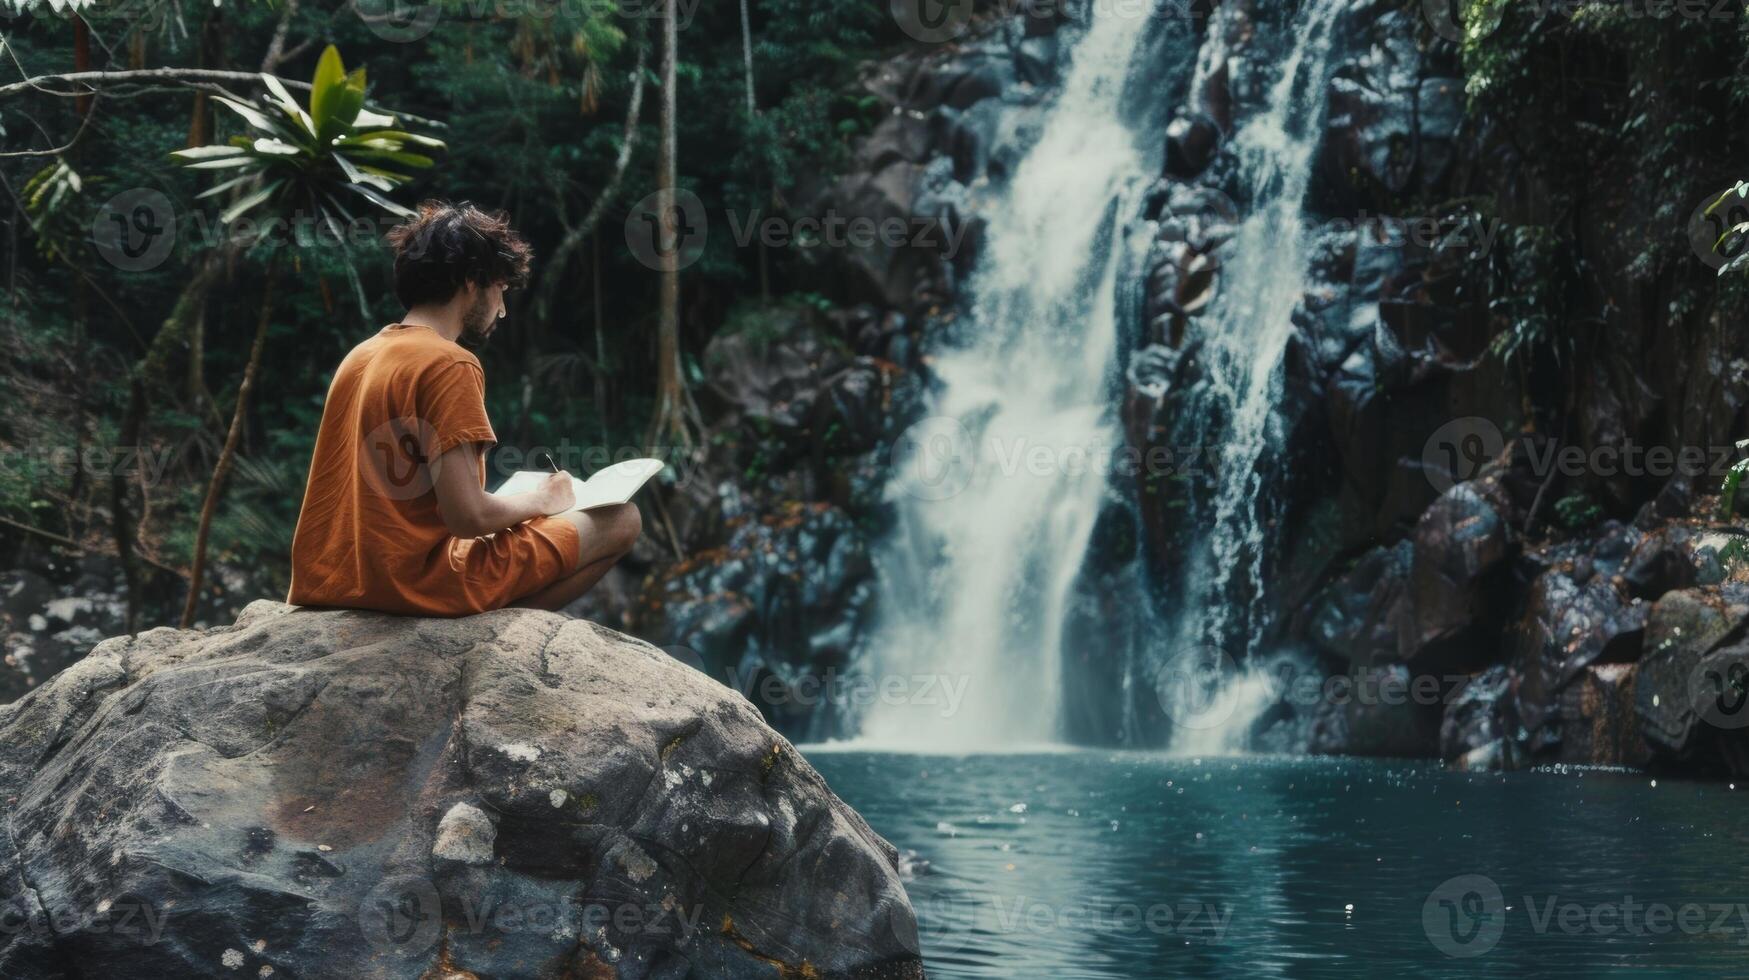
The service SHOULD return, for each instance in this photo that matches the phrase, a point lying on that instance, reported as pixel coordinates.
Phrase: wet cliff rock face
(517, 794)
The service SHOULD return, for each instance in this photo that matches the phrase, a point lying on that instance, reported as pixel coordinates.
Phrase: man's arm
(470, 512)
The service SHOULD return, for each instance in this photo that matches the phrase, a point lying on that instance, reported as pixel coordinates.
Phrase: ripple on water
(1121, 864)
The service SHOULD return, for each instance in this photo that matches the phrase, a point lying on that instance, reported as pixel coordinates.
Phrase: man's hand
(556, 494)
(468, 511)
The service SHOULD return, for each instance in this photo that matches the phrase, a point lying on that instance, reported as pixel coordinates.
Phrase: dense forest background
(534, 104)
(1596, 143)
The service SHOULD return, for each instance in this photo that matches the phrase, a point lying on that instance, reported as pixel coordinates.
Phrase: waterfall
(1227, 612)
(997, 491)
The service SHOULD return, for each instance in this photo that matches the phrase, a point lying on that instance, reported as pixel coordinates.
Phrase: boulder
(1576, 615)
(1598, 723)
(348, 794)
(1191, 142)
(1357, 618)
(1682, 630)
(1477, 730)
(1380, 711)
(777, 611)
(1459, 543)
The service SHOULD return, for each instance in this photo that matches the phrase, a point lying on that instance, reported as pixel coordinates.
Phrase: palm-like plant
(298, 163)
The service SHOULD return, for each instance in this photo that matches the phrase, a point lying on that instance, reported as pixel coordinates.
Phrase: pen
(550, 464)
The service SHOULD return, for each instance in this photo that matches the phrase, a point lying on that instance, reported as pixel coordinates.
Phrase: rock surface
(336, 793)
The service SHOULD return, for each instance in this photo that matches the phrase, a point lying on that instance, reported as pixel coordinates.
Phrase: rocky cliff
(347, 794)
(1481, 306)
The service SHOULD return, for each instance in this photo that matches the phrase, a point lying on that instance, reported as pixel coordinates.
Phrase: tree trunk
(152, 376)
(668, 419)
(555, 266)
(601, 373)
(208, 51)
(81, 60)
(752, 109)
(121, 520)
(226, 455)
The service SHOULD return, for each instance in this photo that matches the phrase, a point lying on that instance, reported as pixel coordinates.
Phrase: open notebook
(607, 486)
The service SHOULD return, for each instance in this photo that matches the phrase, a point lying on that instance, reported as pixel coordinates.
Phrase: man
(395, 514)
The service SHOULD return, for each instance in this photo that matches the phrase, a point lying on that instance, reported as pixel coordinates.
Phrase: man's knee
(624, 524)
(606, 532)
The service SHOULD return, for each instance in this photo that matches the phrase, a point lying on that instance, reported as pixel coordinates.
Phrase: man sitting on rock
(395, 514)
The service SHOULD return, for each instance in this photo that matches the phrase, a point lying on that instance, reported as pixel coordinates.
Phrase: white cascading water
(1248, 330)
(998, 490)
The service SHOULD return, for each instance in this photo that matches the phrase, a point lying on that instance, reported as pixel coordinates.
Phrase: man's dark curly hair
(448, 245)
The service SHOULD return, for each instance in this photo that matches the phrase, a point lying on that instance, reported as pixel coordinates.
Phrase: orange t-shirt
(370, 535)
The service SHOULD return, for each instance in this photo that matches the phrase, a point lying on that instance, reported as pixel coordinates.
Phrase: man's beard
(478, 323)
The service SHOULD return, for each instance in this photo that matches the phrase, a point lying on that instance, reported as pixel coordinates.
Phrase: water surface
(1102, 864)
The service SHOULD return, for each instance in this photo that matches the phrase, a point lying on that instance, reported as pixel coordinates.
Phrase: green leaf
(289, 105)
(252, 115)
(380, 201)
(223, 164)
(206, 152)
(276, 147)
(227, 185)
(325, 88)
(392, 176)
(396, 135)
(372, 120)
(357, 176)
(247, 202)
(417, 161)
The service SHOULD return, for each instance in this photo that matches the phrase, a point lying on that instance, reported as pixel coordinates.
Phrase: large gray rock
(347, 794)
